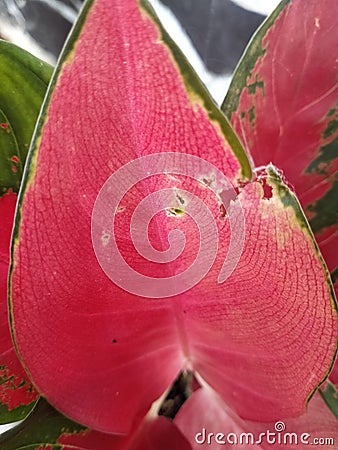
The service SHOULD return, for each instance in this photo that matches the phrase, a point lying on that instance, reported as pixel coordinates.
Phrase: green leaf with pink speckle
(23, 80)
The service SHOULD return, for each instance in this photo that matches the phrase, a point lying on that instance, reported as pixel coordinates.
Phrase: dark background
(219, 29)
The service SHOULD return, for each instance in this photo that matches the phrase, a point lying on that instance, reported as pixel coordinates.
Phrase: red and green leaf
(152, 434)
(329, 392)
(43, 427)
(102, 355)
(47, 429)
(24, 80)
(23, 84)
(282, 103)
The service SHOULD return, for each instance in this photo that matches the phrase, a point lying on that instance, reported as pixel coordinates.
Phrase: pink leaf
(258, 325)
(207, 421)
(283, 104)
(153, 434)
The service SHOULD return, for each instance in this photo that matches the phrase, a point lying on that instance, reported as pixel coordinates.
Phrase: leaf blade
(283, 104)
(205, 413)
(107, 121)
(47, 429)
(24, 80)
(135, 138)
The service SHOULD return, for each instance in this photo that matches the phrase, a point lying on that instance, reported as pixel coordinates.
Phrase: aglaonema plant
(108, 302)
(286, 71)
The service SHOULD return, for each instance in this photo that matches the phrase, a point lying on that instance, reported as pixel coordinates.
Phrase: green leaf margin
(246, 64)
(197, 92)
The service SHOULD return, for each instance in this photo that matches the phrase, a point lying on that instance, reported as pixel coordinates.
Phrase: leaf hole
(267, 189)
(174, 212)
